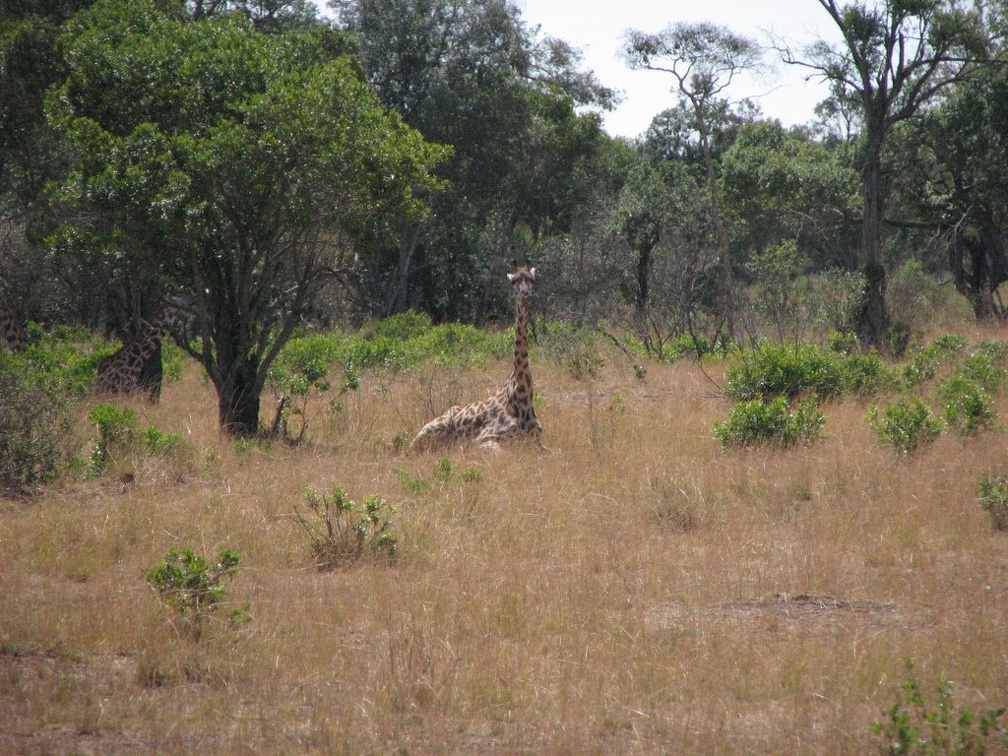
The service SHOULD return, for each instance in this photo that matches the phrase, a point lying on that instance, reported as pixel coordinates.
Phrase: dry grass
(630, 590)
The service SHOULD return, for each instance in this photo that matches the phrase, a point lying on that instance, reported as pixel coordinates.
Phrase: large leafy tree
(781, 184)
(269, 16)
(30, 154)
(896, 55)
(703, 60)
(240, 165)
(468, 73)
(957, 171)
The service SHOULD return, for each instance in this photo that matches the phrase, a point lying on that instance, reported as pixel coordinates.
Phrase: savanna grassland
(631, 589)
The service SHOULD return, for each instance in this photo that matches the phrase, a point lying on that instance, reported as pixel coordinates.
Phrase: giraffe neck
(152, 339)
(134, 354)
(522, 374)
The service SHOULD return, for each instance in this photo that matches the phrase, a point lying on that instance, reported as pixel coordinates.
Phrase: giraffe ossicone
(504, 416)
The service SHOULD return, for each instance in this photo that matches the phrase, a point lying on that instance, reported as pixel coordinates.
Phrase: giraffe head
(522, 279)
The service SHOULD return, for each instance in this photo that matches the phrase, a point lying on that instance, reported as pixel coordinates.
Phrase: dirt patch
(784, 611)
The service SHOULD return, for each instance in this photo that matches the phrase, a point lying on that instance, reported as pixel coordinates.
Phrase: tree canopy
(233, 165)
(283, 171)
(896, 56)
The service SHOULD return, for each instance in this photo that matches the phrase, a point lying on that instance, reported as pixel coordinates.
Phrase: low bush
(905, 425)
(36, 433)
(982, 367)
(774, 423)
(300, 371)
(914, 724)
(189, 585)
(404, 326)
(116, 433)
(968, 405)
(156, 441)
(927, 359)
(341, 532)
(791, 370)
(994, 498)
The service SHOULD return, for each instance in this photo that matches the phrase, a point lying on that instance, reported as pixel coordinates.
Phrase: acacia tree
(243, 164)
(703, 59)
(896, 55)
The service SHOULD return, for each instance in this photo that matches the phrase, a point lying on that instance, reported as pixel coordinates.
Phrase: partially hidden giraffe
(14, 336)
(122, 372)
(506, 415)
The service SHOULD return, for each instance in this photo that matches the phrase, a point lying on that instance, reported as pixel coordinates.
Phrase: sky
(596, 27)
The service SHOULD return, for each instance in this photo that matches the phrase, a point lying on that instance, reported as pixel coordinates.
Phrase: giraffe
(14, 336)
(123, 371)
(505, 415)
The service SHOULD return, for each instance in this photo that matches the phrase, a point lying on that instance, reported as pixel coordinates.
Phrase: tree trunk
(873, 324)
(151, 376)
(972, 272)
(238, 401)
(727, 281)
(643, 277)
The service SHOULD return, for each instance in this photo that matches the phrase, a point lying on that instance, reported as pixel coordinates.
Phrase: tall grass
(631, 589)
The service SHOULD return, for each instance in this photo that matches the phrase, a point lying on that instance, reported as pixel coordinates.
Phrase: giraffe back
(123, 372)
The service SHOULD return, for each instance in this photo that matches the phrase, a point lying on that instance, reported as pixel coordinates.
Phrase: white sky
(596, 27)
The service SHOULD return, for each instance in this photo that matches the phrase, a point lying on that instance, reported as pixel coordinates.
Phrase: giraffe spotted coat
(122, 371)
(14, 336)
(506, 415)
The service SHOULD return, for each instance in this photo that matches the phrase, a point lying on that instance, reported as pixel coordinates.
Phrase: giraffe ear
(532, 273)
(512, 277)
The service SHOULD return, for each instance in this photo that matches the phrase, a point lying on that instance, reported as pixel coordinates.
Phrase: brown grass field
(631, 589)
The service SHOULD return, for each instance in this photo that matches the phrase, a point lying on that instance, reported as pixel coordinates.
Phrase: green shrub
(302, 370)
(791, 370)
(996, 350)
(413, 486)
(968, 406)
(927, 359)
(378, 352)
(916, 725)
(340, 532)
(980, 367)
(443, 470)
(994, 498)
(36, 433)
(156, 441)
(303, 365)
(404, 326)
(57, 364)
(754, 422)
(843, 342)
(457, 344)
(116, 433)
(905, 425)
(186, 583)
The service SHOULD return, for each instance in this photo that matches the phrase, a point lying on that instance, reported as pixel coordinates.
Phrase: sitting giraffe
(505, 415)
(14, 336)
(123, 371)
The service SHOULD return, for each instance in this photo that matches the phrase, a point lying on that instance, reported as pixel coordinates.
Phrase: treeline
(270, 169)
